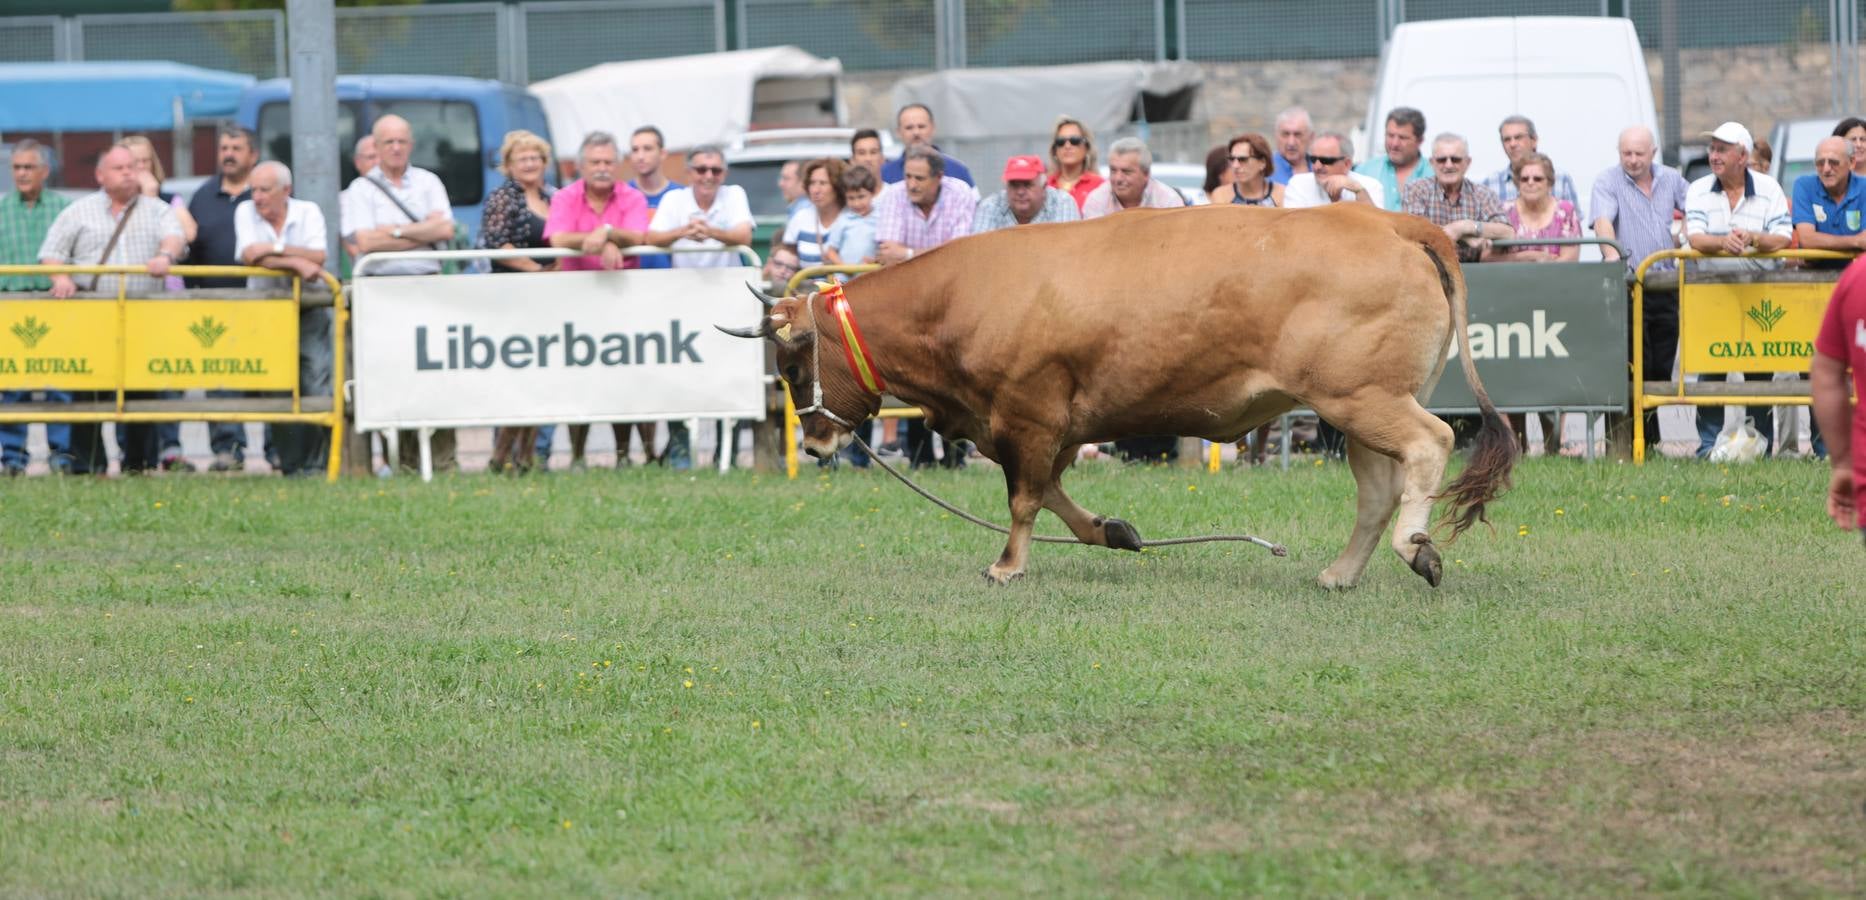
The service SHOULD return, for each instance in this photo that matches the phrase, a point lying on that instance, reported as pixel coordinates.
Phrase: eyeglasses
(1819, 163)
(1532, 179)
(1449, 160)
(1074, 140)
(1242, 159)
(1324, 160)
(708, 170)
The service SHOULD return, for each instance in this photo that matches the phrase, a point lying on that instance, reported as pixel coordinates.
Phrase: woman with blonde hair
(149, 176)
(514, 220)
(1072, 160)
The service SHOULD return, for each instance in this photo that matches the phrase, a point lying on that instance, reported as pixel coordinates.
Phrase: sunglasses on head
(1074, 140)
(1448, 160)
(1324, 160)
(708, 170)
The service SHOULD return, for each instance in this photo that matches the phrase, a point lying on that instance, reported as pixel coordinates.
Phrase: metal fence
(1808, 47)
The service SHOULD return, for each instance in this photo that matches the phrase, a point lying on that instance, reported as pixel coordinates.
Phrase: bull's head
(810, 359)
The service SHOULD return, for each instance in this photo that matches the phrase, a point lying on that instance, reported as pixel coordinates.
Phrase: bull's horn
(768, 300)
(753, 333)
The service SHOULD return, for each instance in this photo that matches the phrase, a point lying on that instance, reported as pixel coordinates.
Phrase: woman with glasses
(1249, 156)
(1072, 160)
(514, 220)
(1535, 213)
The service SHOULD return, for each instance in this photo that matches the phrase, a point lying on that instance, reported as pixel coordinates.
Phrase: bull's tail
(1493, 455)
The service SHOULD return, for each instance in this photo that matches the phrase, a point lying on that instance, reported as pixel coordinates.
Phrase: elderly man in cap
(1025, 200)
(1731, 212)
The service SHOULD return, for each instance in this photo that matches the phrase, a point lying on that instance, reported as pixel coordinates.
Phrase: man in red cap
(1025, 199)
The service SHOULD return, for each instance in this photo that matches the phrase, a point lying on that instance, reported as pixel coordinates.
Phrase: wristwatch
(397, 233)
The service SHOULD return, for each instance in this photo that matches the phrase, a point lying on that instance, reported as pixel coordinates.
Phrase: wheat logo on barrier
(30, 331)
(1767, 314)
(207, 331)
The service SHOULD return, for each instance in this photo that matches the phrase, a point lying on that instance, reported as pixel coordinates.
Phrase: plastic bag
(1739, 445)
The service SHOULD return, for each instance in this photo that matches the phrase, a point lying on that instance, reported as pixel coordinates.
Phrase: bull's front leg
(1089, 528)
(1026, 477)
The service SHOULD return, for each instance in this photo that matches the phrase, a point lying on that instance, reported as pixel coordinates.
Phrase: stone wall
(1753, 85)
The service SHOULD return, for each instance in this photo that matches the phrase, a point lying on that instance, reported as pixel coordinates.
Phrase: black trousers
(919, 447)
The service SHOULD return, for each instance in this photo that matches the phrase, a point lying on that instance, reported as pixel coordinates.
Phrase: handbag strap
(115, 236)
(412, 218)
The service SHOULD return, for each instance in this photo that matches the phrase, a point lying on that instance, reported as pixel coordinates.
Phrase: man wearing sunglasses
(1331, 177)
(1469, 212)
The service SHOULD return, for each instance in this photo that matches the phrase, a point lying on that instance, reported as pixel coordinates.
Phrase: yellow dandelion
(689, 670)
(1665, 498)
(757, 724)
(1522, 531)
(1560, 512)
(687, 683)
(903, 723)
(1095, 666)
(191, 699)
(159, 504)
(1192, 487)
(567, 825)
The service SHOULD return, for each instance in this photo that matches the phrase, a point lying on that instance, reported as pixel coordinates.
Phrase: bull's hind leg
(1377, 484)
(1398, 427)
(1088, 528)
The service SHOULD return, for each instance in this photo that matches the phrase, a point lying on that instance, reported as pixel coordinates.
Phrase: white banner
(542, 348)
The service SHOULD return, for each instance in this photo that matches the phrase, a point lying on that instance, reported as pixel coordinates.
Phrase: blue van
(458, 125)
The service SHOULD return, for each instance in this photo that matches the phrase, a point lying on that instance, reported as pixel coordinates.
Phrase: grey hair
(708, 150)
(1347, 146)
(1518, 119)
(28, 145)
(596, 139)
(280, 169)
(1292, 114)
(1447, 137)
(936, 162)
(1135, 146)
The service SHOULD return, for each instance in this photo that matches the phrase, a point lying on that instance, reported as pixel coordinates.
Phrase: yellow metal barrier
(1796, 307)
(147, 347)
(791, 422)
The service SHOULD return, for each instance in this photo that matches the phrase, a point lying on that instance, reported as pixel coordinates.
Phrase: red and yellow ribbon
(853, 347)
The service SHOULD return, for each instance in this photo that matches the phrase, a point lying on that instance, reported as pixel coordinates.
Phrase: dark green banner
(1545, 335)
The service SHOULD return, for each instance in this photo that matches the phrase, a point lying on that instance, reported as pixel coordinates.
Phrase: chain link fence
(1796, 58)
(563, 37)
(864, 34)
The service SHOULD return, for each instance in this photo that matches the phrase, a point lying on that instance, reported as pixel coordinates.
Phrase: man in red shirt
(1842, 346)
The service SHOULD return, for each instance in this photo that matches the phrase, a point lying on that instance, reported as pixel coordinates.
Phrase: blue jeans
(13, 437)
(1710, 424)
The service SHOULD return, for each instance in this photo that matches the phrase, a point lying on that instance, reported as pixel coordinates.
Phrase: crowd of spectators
(871, 209)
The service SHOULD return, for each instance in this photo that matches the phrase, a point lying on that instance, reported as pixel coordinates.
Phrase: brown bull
(1033, 341)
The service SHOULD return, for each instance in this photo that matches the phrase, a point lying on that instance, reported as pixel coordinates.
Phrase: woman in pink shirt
(1537, 214)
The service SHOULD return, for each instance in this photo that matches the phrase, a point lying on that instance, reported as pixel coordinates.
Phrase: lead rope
(1275, 549)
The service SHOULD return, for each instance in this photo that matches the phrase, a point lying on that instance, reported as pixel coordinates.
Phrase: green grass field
(643, 683)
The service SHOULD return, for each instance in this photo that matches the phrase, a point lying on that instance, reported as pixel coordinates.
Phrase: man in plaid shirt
(26, 214)
(927, 209)
(80, 235)
(1469, 212)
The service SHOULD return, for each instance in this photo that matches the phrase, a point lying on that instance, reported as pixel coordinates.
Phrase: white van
(1580, 79)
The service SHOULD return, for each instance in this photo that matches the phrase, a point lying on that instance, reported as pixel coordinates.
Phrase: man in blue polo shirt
(914, 125)
(1829, 204)
(1827, 211)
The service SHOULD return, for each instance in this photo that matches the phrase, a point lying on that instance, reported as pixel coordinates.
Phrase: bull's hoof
(999, 579)
(1331, 581)
(1120, 535)
(1426, 561)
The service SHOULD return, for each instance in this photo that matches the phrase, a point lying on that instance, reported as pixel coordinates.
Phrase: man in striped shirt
(1731, 212)
(26, 214)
